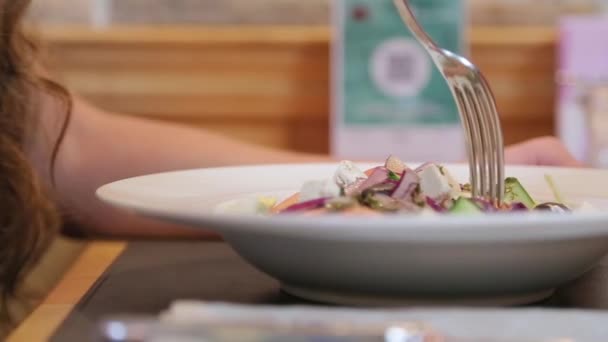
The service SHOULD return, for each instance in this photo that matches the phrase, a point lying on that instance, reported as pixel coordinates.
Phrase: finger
(547, 151)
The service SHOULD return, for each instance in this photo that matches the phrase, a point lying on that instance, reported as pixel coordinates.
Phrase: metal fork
(477, 108)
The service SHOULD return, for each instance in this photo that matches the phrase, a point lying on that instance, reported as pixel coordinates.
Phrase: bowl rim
(488, 228)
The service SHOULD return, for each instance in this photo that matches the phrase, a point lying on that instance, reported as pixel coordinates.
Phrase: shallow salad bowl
(393, 259)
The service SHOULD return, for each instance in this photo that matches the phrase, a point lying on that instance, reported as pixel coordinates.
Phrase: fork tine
(491, 121)
(480, 138)
(486, 141)
(486, 117)
(467, 123)
(476, 134)
(496, 133)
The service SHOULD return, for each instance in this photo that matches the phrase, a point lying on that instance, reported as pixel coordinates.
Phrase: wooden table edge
(81, 276)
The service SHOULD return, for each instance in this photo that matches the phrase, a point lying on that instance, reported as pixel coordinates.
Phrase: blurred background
(259, 70)
(289, 12)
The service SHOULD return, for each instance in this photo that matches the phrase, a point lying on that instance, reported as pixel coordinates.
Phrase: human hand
(546, 151)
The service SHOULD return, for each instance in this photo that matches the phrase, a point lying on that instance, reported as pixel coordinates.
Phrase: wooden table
(192, 265)
(91, 264)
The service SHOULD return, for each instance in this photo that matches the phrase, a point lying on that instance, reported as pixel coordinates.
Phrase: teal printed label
(386, 76)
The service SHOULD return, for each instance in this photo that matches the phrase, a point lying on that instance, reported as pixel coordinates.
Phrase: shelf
(291, 35)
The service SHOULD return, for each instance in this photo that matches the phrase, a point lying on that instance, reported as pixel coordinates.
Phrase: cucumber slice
(515, 192)
(465, 205)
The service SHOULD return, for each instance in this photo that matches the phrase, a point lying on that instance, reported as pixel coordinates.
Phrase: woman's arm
(102, 147)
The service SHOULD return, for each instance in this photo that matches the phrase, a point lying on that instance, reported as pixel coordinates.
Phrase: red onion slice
(379, 176)
(435, 205)
(518, 206)
(407, 185)
(308, 205)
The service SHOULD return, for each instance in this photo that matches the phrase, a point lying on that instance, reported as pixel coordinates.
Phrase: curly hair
(29, 219)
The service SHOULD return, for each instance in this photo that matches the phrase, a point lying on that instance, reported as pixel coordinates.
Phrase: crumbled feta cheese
(435, 182)
(454, 184)
(319, 189)
(347, 174)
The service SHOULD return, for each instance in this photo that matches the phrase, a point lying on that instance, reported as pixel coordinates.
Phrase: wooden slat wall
(271, 85)
(520, 64)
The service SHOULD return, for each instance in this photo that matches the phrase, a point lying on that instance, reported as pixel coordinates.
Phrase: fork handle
(410, 20)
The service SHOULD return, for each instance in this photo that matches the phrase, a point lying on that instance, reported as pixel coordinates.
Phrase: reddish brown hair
(28, 217)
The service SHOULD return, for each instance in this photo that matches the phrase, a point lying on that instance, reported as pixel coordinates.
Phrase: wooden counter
(270, 85)
(83, 274)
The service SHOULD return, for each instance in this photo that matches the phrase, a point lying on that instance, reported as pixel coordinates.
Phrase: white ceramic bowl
(392, 260)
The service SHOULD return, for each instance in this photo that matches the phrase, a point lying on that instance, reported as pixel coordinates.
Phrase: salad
(396, 188)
